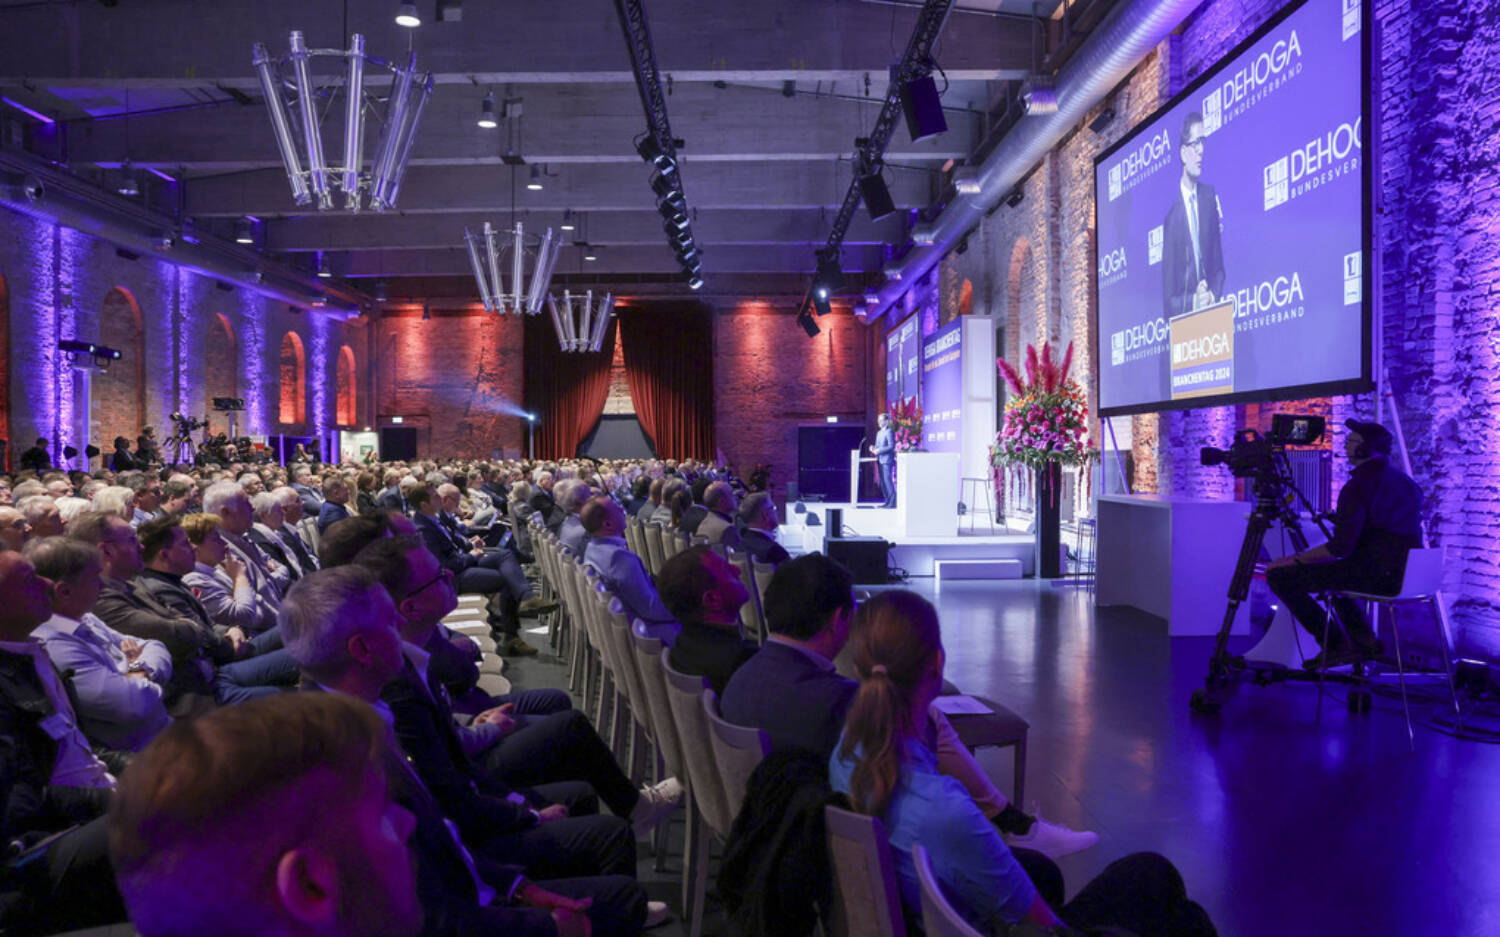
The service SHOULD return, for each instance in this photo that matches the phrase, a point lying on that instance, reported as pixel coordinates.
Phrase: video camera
(186, 424)
(1252, 455)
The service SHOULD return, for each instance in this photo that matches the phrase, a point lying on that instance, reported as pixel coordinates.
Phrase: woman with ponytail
(885, 762)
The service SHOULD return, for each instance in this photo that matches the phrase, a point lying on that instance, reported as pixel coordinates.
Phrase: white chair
(939, 917)
(1421, 585)
(866, 901)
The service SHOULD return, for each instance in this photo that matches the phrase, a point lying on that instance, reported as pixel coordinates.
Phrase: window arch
(220, 361)
(119, 404)
(293, 407)
(346, 412)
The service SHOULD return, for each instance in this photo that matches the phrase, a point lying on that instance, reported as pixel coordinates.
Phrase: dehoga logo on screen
(1148, 157)
(1112, 267)
(1269, 301)
(1205, 346)
(1138, 341)
(1330, 156)
(1252, 81)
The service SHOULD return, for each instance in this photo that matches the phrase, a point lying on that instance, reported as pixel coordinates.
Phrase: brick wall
(184, 340)
(769, 378)
(457, 378)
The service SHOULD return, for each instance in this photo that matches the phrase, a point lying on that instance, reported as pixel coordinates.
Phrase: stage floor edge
(916, 555)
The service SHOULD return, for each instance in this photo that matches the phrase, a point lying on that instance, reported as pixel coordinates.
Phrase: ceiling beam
(712, 227)
(562, 124)
(612, 187)
(171, 43)
(631, 259)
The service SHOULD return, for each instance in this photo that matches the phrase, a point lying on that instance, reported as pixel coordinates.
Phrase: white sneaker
(656, 804)
(1052, 840)
(657, 914)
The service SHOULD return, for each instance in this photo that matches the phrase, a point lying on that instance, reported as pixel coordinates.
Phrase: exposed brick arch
(220, 361)
(119, 394)
(5, 374)
(1018, 291)
(966, 298)
(293, 408)
(346, 411)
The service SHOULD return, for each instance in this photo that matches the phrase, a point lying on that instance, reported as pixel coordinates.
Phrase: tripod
(1272, 506)
(182, 447)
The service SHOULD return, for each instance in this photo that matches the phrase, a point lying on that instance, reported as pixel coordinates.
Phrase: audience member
(542, 501)
(148, 491)
(221, 580)
(572, 494)
(36, 458)
(886, 764)
(391, 497)
(273, 817)
(704, 593)
(41, 514)
(118, 682)
(53, 788)
(620, 569)
(14, 530)
(693, 509)
(264, 533)
(231, 505)
(303, 482)
(335, 496)
(758, 523)
(717, 524)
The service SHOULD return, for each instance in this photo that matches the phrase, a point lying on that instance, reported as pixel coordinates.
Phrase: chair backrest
(628, 673)
(679, 541)
(866, 901)
(1424, 572)
(656, 551)
(684, 693)
(633, 536)
(763, 573)
(647, 651)
(737, 750)
(698, 540)
(939, 918)
(752, 617)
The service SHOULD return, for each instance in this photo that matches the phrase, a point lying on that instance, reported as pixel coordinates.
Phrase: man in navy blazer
(790, 688)
(622, 570)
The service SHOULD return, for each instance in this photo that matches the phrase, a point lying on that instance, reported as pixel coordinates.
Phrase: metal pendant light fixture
(296, 105)
(580, 325)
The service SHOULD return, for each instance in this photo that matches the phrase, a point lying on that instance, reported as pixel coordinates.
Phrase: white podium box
(856, 462)
(1172, 558)
(927, 493)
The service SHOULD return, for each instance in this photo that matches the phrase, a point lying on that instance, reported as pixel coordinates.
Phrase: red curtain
(669, 364)
(566, 390)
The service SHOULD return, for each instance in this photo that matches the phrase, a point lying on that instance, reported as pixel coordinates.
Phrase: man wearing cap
(1378, 520)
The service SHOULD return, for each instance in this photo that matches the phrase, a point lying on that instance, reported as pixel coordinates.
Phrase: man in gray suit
(884, 452)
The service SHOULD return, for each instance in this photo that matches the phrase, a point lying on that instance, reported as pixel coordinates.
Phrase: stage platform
(976, 554)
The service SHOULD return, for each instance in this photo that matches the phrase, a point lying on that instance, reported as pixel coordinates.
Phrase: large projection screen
(1234, 227)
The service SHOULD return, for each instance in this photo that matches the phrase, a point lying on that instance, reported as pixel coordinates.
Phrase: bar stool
(967, 496)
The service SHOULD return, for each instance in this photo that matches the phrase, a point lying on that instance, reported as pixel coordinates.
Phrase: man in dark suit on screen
(1192, 250)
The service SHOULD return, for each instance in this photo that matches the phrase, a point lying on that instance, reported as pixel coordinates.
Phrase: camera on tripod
(1252, 455)
(186, 424)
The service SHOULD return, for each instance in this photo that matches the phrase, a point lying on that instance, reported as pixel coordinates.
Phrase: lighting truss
(580, 325)
(486, 250)
(297, 107)
(657, 147)
(871, 153)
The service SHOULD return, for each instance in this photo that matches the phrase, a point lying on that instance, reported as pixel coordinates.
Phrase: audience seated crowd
(241, 673)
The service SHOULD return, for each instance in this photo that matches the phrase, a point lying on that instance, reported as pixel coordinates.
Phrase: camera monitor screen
(1233, 227)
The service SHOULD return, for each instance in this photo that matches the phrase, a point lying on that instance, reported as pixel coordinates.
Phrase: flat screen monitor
(1234, 227)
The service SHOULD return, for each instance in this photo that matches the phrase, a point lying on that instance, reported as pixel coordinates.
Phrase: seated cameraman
(1377, 521)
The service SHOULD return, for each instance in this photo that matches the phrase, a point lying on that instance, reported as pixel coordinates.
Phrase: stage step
(976, 569)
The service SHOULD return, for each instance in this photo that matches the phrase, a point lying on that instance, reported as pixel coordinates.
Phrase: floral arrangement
(1046, 419)
(906, 421)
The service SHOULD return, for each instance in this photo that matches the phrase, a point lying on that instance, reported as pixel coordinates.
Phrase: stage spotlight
(821, 301)
(590, 254)
(244, 231)
(323, 270)
(923, 107)
(567, 222)
(663, 184)
(830, 274)
(1104, 119)
(487, 112)
(128, 186)
(382, 293)
(406, 15)
(535, 182)
(694, 281)
(809, 325)
(688, 254)
(652, 153)
(877, 197)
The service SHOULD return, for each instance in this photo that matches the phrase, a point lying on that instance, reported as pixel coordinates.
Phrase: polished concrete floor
(1282, 824)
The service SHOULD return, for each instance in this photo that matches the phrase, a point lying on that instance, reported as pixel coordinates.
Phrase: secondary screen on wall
(903, 347)
(942, 388)
(1232, 232)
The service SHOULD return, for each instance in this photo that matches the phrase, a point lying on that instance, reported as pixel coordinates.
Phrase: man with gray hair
(228, 501)
(302, 483)
(543, 501)
(40, 512)
(292, 523)
(269, 518)
(718, 524)
(572, 494)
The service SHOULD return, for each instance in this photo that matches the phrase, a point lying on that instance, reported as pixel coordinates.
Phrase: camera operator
(1378, 520)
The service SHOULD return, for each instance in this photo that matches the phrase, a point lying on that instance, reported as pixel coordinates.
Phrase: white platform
(917, 555)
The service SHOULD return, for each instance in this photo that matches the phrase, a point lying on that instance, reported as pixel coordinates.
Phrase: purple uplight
(319, 368)
(38, 115)
(252, 347)
(159, 174)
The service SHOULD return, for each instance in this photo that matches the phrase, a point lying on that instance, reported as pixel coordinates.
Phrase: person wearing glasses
(1193, 249)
